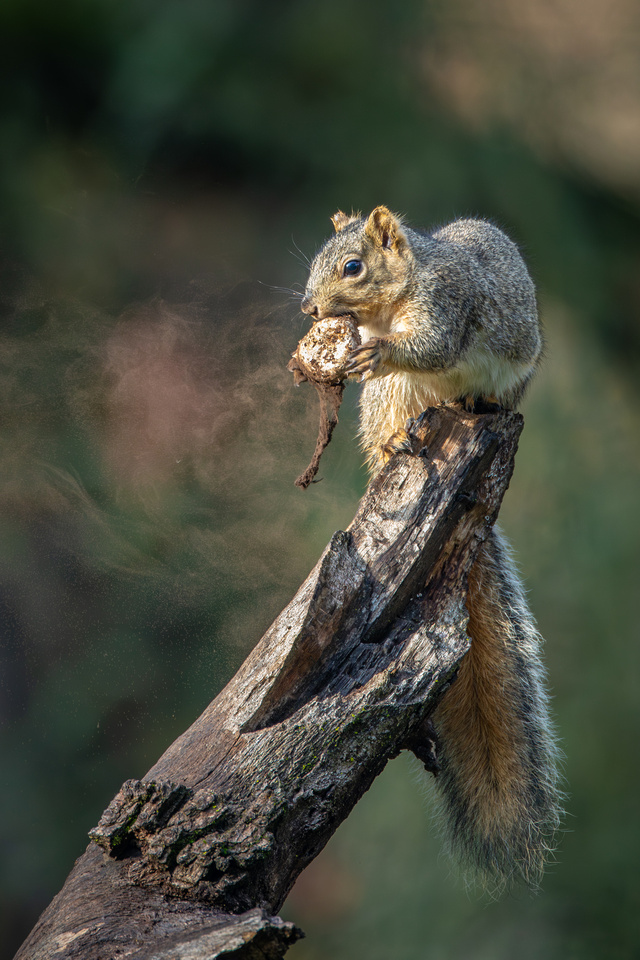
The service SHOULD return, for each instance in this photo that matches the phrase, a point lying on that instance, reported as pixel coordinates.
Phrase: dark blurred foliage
(160, 164)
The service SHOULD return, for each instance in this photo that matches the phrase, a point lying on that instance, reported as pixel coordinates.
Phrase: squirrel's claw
(398, 442)
(366, 359)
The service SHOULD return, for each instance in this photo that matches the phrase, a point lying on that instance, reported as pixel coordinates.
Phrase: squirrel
(451, 316)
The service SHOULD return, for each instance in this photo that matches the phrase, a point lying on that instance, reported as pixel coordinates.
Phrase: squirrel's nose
(307, 306)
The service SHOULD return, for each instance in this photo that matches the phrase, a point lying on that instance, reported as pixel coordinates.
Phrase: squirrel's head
(363, 270)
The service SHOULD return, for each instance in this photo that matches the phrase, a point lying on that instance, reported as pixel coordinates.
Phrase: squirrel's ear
(340, 220)
(385, 229)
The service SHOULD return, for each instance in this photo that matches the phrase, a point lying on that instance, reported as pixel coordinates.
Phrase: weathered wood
(194, 860)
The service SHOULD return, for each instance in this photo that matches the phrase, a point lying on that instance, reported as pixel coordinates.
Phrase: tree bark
(194, 860)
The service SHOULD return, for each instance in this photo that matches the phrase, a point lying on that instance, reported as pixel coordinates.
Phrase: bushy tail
(497, 750)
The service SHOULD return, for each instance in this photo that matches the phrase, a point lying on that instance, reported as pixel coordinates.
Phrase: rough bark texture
(194, 860)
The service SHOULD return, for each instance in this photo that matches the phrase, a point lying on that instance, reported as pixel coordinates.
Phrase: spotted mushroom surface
(325, 349)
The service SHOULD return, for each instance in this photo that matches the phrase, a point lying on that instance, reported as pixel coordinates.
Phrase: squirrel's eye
(352, 268)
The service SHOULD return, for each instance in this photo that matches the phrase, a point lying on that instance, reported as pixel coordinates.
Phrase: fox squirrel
(451, 316)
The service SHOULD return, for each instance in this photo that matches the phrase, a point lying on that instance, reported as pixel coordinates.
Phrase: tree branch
(194, 860)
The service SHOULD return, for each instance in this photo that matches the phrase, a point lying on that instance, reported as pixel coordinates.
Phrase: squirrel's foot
(481, 404)
(398, 442)
(365, 360)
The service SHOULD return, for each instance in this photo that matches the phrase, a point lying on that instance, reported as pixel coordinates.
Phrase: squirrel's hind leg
(399, 442)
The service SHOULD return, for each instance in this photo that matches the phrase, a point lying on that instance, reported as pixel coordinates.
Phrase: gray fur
(463, 291)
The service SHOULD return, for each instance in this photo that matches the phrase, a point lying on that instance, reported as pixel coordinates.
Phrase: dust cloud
(162, 443)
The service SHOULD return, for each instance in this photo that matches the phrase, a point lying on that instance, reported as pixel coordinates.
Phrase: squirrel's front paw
(366, 359)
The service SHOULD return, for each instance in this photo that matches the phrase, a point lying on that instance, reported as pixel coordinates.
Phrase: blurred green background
(165, 168)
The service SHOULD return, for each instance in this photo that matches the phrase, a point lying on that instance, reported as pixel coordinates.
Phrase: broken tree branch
(195, 859)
